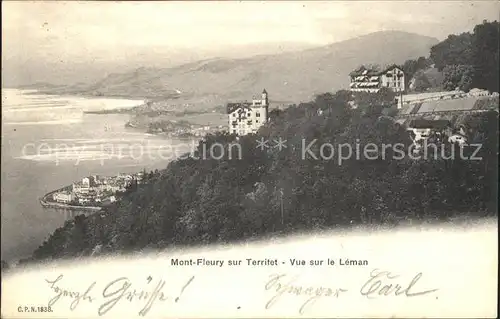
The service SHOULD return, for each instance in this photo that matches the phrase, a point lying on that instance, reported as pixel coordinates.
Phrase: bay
(49, 142)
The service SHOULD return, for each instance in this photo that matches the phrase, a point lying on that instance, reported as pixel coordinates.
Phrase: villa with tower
(248, 117)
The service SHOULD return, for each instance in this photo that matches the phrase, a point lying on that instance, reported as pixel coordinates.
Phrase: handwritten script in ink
(376, 284)
(282, 284)
(116, 291)
(383, 283)
(380, 283)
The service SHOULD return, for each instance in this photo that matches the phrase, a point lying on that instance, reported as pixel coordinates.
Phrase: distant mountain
(289, 76)
(40, 86)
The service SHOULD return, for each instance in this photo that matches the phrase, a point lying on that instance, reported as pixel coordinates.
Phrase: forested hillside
(267, 191)
(465, 61)
(202, 201)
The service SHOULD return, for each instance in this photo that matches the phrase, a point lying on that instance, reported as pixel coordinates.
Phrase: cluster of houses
(175, 129)
(195, 131)
(449, 117)
(96, 190)
(442, 116)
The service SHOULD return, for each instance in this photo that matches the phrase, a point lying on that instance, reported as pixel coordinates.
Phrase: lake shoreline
(49, 204)
(79, 94)
(30, 176)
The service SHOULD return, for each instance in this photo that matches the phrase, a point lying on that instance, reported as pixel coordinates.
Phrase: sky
(44, 33)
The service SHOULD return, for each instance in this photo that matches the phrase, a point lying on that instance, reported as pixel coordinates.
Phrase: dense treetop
(472, 57)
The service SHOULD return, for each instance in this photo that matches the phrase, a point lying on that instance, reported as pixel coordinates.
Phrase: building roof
(433, 124)
(487, 103)
(462, 104)
(363, 71)
(468, 103)
(390, 67)
(408, 109)
(231, 107)
(421, 97)
(449, 105)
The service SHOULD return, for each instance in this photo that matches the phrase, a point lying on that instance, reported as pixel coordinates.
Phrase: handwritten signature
(312, 293)
(76, 296)
(120, 289)
(380, 284)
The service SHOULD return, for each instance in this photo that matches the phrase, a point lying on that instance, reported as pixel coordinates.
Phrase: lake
(48, 142)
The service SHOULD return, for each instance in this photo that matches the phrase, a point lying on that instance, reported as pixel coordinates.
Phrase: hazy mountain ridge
(289, 76)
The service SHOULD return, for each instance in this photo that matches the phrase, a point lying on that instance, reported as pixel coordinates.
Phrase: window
(234, 114)
(256, 121)
(234, 131)
(257, 114)
(249, 114)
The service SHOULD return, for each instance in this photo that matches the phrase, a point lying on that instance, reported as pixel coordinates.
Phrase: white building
(83, 200)
(479, 92)
(422, 129)
(108, 188)
(393, 78)
(246, 117)
(62, 197)
(371, 81)
(85, 182)
(83, 187)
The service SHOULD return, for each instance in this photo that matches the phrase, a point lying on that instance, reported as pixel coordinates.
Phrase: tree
(467, 79)
(423, 63)
(409, 68)
(455, 50)
(477, 50)
(334, 103)
(458, 76)
(421, 82)
(412, 67)
(485, 55)
(373, 103)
